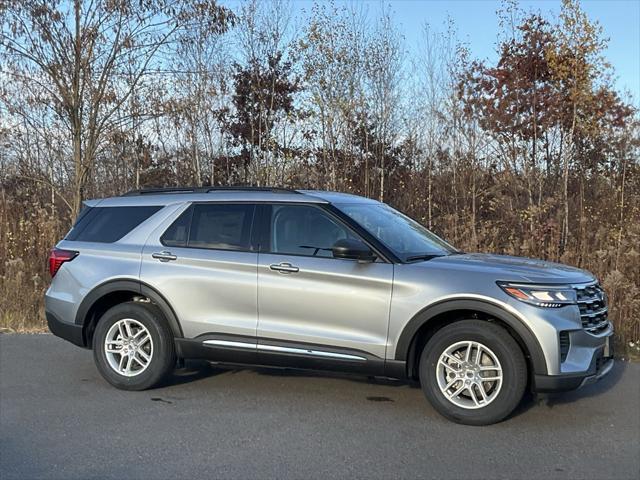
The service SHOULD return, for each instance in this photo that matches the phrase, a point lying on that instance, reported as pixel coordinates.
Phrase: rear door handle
(164, 256)
(284, 267)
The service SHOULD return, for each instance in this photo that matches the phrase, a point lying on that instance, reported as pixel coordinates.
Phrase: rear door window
(216, 226)
(177, 234)
(109, 224)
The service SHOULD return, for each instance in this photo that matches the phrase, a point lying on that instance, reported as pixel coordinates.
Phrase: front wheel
(473, 372)
(132, 346)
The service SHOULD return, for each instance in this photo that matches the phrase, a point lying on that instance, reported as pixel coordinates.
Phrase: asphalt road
(59, 419)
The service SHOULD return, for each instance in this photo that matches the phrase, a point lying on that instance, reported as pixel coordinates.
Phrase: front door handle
(164, 256)
(284, 267)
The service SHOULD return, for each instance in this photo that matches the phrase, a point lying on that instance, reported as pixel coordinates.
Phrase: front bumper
(600, 366)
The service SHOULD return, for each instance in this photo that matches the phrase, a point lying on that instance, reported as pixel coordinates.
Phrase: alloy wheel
(128, 347)
(469, 374)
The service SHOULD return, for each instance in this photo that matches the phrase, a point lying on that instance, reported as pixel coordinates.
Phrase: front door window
(304, 230)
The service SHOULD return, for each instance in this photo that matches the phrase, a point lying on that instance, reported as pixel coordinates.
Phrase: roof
(167, 196)
(337, 197)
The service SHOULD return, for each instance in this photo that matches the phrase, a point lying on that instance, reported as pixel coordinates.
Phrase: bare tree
(73, 55)
(383, 62)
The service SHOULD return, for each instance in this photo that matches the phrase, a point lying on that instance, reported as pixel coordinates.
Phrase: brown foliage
(535, 155)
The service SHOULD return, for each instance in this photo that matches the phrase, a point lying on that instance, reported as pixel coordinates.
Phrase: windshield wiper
(424, 256)
(315, 249)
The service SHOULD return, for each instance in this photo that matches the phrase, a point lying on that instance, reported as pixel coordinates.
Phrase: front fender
(428, 314)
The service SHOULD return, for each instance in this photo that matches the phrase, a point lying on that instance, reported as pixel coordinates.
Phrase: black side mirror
(353, 249)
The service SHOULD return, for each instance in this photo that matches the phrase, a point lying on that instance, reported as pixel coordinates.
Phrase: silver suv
(324, 281)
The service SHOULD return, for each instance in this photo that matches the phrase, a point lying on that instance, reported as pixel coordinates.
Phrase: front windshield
(403, 236)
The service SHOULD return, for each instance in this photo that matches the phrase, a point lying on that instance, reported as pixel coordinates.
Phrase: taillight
(57, 257)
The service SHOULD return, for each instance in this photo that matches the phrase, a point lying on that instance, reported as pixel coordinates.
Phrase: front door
(314, 306)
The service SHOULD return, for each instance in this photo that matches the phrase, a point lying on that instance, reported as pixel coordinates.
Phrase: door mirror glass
(353, 249)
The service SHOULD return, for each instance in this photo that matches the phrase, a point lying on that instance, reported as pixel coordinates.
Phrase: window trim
(264, 231)
(191, 209)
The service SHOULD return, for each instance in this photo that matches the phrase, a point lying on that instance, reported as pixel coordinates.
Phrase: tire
(147, 362)
(501, 359)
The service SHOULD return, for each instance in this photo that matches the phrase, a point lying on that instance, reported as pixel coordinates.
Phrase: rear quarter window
(109, 224)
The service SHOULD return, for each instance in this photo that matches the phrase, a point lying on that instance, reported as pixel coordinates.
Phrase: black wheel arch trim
(424, 316)
(131, 285)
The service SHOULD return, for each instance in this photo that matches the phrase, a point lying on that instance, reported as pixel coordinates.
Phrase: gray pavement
(59, 419)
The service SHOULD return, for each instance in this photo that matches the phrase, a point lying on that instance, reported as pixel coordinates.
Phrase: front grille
(592, 302)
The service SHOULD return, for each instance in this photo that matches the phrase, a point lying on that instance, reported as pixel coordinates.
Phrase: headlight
(541, 295)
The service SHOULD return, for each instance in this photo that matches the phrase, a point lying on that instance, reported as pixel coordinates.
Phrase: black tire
(163, 358)
(505, 348)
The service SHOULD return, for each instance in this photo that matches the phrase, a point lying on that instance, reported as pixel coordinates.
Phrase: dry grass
(29, 230)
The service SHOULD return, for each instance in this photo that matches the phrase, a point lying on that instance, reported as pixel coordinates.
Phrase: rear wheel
(473, 372)
(132, 346)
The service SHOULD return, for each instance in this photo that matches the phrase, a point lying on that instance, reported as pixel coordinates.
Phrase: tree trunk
(78, 184)
(565, 178)
(622, 206)
(76, 120)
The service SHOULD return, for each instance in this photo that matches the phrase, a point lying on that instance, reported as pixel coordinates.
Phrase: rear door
(203, 262)
(311, 304)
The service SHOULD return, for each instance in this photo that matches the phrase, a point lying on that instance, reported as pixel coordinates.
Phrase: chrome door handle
(164, 256)
(284, 268)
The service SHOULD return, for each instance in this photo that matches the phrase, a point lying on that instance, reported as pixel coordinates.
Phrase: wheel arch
(113, 292)
(429, 320)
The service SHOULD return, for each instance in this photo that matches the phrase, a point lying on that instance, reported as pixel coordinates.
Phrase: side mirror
(353, 249)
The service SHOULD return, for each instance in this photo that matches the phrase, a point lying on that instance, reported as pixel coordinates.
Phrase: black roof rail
(161, 191)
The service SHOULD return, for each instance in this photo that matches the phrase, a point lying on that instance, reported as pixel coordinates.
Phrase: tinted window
(304, 230)
(82, 221)
(221, 226)
(109, 224)
(83, 213)
(177, 234)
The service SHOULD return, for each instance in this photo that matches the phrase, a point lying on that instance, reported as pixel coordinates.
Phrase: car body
(319, 280)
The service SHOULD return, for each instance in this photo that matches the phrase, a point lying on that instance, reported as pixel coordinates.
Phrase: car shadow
(550, 400)
(196, 370)
(351, 377)
(594, 390)
(192, 371)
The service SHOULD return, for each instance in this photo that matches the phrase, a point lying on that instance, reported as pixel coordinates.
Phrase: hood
(513, 269)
